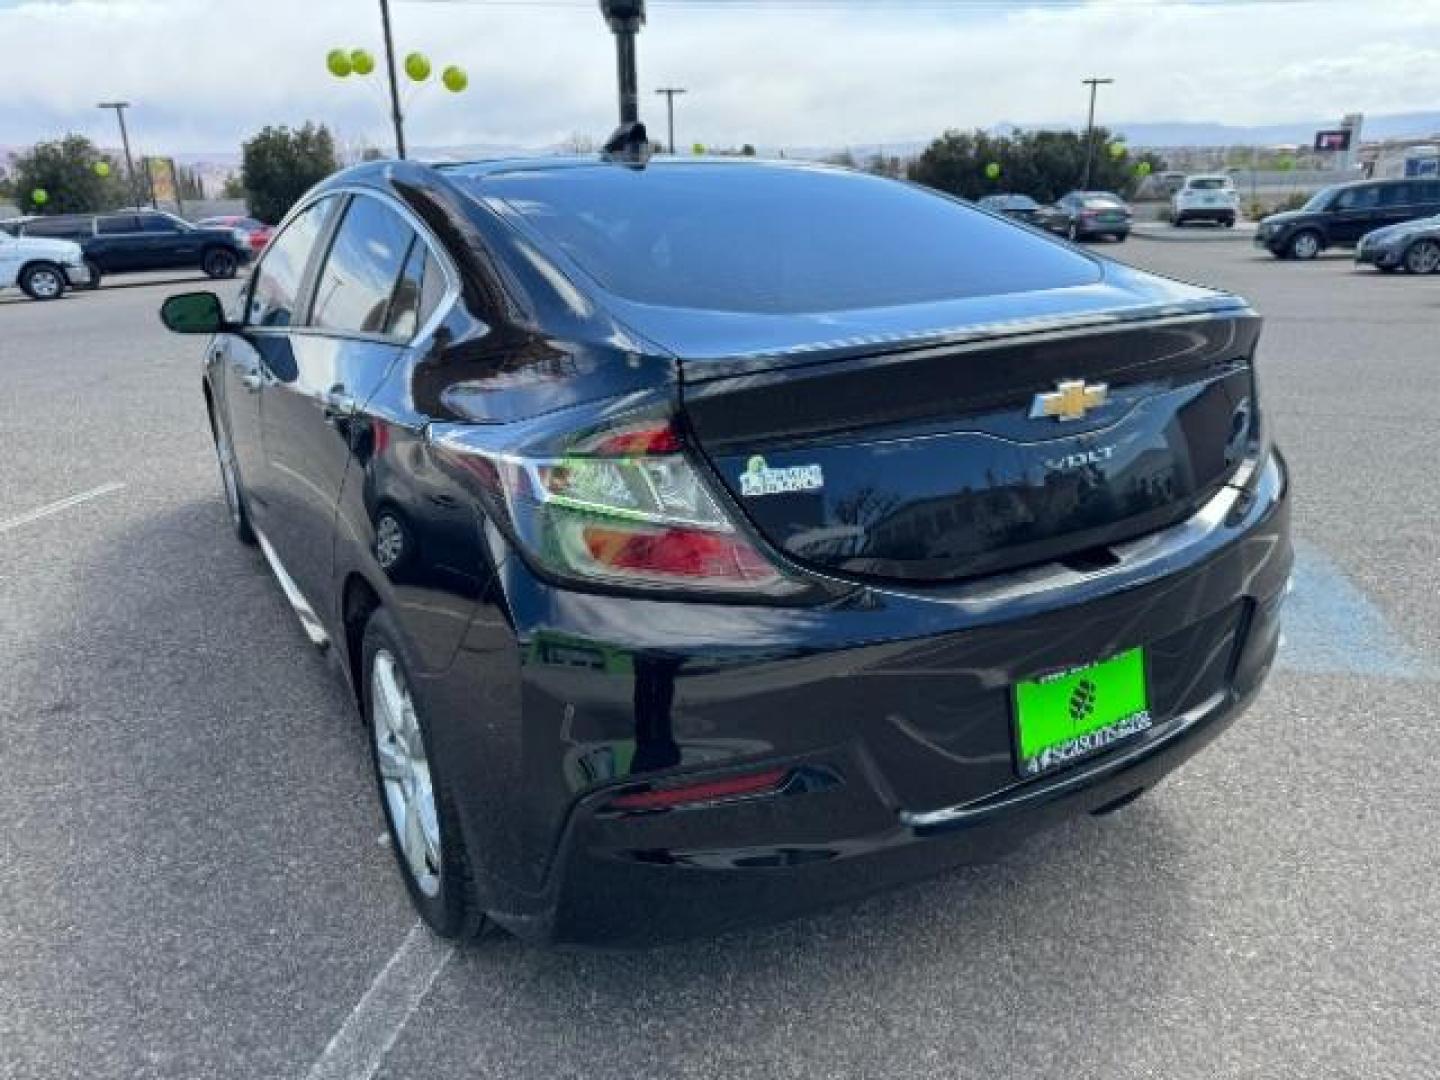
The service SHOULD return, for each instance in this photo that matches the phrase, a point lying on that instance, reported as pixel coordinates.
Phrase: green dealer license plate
(1068, 716)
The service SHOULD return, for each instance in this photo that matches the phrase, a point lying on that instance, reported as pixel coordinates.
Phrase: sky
(204, 74)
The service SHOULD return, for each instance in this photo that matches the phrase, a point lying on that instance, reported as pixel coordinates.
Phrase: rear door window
(159, 223)
(359, 278)
(278, 280)
(117, 225)
(417, 293)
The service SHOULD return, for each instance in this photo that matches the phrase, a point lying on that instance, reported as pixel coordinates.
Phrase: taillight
(625, 506)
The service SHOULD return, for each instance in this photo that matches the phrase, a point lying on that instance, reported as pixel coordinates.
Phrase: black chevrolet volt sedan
(708, 541)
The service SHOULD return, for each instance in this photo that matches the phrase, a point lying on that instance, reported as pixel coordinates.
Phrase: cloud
(203, 74)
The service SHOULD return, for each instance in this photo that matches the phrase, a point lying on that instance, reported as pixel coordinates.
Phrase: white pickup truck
(42, 269)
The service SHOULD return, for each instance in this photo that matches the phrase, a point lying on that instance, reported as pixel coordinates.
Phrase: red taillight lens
(627, 506)
(705, 792)
(680, 553)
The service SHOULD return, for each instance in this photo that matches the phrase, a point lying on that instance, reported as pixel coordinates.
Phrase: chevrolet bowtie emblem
(1070, 400)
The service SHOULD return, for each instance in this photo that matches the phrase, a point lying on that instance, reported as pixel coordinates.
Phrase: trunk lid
(938, 443)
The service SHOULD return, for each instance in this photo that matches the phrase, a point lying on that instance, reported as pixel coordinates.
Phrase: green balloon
(338, 61)
(993, 170)
(39, 196)
(698, 149)
(102, 169)
(1142, 169)
(417, 66)
(361, 62)
(1117, 150)
(454, 79)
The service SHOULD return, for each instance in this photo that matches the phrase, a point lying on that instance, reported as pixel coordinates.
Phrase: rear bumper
(1205, 213)
(891, 711)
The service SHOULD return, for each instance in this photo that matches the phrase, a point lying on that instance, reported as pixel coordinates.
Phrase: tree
(65, 170)
(280, 165)
(1041, 164)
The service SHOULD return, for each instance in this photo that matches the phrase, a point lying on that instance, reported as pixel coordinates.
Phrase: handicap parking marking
(1332, 628)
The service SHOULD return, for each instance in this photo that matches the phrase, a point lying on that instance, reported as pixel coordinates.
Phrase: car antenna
(629, 144)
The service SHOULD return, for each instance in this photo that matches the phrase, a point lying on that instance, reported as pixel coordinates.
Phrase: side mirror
(194, 313)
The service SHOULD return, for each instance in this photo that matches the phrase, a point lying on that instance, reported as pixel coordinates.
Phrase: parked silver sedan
(1411, 245)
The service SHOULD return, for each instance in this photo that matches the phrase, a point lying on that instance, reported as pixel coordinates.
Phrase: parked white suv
(1206, 198)
(42, 269)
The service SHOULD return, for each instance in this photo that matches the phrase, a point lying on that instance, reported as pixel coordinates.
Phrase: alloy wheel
(46, 284)
(1423, 258)
(1305, 246)
(405, 773)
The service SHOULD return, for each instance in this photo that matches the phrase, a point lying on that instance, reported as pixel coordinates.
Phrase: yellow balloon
(338, 61)
(417, 66)
(1117, 150)
(993, 170)
(361, 62)
(454, 79)
(102, 169)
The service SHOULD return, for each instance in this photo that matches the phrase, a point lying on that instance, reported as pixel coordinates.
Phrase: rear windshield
(778, 240)
(1209, 183)
(1102, 202)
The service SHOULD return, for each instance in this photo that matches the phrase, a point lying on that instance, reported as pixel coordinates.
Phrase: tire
(43, 281)
(231, 485)
(1179, 221)
(1121, 237)
(428, 845)
(1423, 257)
(220, 263)
(95, 274)
(1304, 245)
(1228, 222)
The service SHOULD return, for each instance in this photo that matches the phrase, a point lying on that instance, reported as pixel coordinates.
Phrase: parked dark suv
(709, 541)
(130, 241)
(1339, 216)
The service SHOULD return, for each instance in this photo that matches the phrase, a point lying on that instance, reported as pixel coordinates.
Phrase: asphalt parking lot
(191, 883)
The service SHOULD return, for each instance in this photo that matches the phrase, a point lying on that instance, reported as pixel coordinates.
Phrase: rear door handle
(338, 404)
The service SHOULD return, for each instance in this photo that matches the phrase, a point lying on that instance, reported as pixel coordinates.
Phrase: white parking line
(63, 504)
(357, 1050)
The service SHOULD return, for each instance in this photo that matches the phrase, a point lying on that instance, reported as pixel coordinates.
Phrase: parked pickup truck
(41, 269)
(133, 240)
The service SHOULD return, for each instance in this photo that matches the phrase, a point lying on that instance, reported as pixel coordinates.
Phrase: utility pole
(1090, 128)
(394, 88)
(120, 107)
(670, 92)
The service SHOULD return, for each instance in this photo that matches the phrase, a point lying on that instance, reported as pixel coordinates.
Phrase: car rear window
(773, 239)
(1209, 183)
(1102, 202)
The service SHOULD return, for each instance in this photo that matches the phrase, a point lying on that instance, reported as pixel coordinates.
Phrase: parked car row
(1383, 219)
(1080, 215)
(123, 242)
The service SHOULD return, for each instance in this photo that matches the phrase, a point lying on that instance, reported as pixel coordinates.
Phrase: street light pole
(670, 92)
(1090, 128)
(120, 107)
(395, 114)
